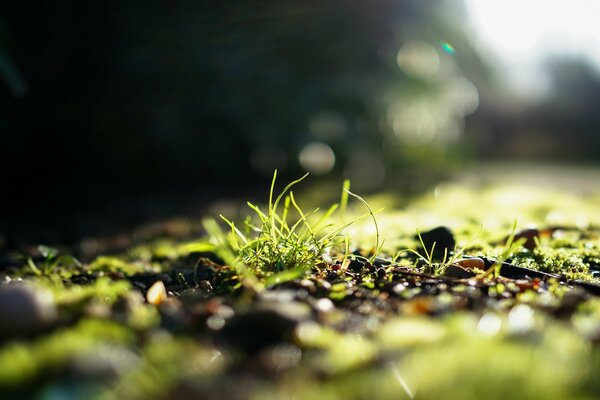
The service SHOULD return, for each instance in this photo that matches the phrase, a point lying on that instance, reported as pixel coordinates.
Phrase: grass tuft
(284, 241)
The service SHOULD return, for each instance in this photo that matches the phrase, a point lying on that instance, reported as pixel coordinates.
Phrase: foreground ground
(423, 323)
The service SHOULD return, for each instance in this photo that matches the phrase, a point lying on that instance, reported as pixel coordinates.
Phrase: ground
(383, 314)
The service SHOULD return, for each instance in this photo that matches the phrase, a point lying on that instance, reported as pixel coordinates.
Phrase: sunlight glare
(521, 35)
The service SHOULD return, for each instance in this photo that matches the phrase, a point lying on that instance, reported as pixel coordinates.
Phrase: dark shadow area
(113, 115)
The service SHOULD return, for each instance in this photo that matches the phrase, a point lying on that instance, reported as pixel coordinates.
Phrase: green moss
(167, 362)
(119, 264)
(569, 262)
(24, 362)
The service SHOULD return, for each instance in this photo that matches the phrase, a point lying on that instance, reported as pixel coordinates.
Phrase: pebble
(103, 362)
(356, 266)
(443, 239)
(25, 310)
(471, 263)
(205, 288)
(280, 357)
(529, 235)
(264, 325)
(324, 305)
(456, 271)
(157, 293)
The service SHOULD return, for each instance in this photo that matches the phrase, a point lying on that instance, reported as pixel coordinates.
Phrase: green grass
(285, 242)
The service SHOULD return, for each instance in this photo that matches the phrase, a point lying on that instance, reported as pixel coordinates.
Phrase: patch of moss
(24, 362)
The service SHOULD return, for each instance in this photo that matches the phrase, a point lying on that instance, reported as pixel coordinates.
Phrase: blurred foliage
(173, 96)
(105, 104)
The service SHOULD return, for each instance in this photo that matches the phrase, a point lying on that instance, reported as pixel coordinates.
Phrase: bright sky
(519, 34)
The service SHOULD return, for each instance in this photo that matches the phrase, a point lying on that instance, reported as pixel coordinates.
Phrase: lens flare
(447, 48)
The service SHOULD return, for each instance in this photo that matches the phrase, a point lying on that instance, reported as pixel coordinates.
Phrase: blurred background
(113, 114)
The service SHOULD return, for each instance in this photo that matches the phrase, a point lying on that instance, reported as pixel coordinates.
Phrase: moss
(27, 361)
(569, 262)
(168, 361)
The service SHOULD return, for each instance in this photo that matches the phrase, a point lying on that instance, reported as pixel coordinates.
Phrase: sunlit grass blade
(302, 217)
(235, 231)
(344, 198)
(377, 240)
(320, 224)
(284, 276)
(263, 217)
(285, 190)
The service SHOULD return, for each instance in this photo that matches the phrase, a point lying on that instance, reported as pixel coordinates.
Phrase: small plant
(428, 257)
(378, 243)
(510, 247)
(448, 259)
(284, 241)
(53, 262)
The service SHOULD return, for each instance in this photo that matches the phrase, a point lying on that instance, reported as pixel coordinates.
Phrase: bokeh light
(317, 158)
(415, 123)
(418, 59)
(461, 96)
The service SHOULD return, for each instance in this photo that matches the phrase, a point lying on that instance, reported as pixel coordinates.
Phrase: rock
(173, 314)
(205, 288)
(25, 310)
(381, 262)
(104, 362)
(456, 271)
(511, 271)
(323, 305)
(265, 324)
(157, 293)
(470, 263)
(356, 266)
(529, 236)
(570, 301)
(443, 239)
(280, 357)
(322, 288)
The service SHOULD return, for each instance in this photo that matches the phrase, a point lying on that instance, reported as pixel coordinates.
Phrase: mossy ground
(344, 330)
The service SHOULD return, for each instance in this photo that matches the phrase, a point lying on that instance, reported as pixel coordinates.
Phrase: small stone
(280, 357)
(102, 362)
(266, 324)
(442, 238)
(157, 293)
(324, 284)
(470, 263)
(570, 301)
(399, 288)
(529, 235)
(381, 262)
(356, 266)
(278, 296)
(324, 305)
(25, 310)
(456, 271)
(206, 288)
(307, 283)
(97, 309)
